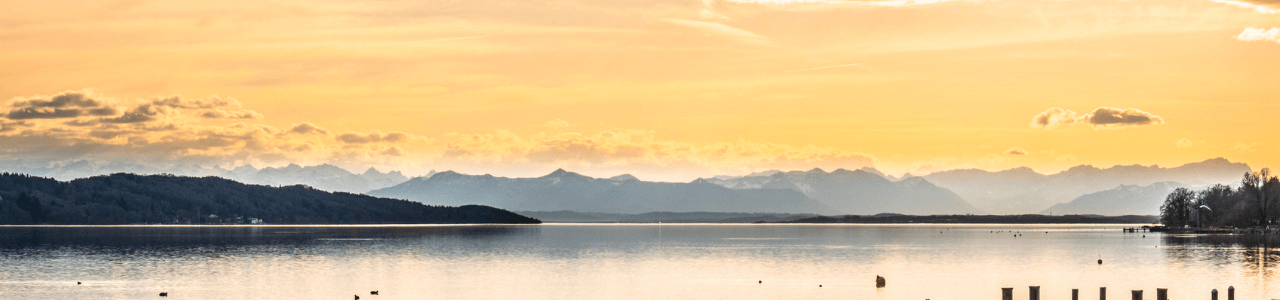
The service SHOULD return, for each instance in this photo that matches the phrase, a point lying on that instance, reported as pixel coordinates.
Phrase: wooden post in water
(1162, 294)
(1075, 294)
(1137, 294)
(1214, 294)
(1006, 293)
(1035, 293)
(1231, 293)
(1102, 293)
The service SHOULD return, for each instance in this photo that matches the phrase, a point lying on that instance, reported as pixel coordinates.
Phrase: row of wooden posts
(1161, 293)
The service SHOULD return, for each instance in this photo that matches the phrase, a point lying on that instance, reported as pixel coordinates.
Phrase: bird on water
(164, 294)
(373, 292)
(879, 281)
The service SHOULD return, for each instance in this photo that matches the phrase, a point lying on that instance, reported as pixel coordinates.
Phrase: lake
(626, 261)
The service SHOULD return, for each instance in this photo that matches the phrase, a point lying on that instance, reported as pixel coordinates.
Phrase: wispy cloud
(869, 2)
(448, 39)
(1252, 34)
(1258, 7)
(723, 30)
(820, 68)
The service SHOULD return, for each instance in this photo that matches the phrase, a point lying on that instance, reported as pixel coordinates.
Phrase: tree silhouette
(1176, 210)
(1260, 186)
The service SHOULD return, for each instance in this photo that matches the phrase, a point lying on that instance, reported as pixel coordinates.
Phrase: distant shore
(770, 218)
(982, 219)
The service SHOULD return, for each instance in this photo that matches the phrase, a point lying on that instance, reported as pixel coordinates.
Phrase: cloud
(1262, 6)
(177, 130)
(642, 149)
(1106, 117)
(1252, 34)
(373, 137)
(891, 3)
(1184, 143)
(556, 124)
(235, 114)
(306, 128)
(1053, 117)
(65, 105)
(1100, 118)
(209, 102)
(1016, 151)
(392, 151)
(723, 30)
(826, 67)
(994, 159)
(1246, 148)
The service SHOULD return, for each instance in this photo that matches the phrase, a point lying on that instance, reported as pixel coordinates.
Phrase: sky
(664, 90)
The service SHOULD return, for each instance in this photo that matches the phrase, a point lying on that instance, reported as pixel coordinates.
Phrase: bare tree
(1260, 186)
(1176, 210)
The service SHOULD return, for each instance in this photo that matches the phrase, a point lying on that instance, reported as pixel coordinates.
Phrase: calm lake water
(573, 261)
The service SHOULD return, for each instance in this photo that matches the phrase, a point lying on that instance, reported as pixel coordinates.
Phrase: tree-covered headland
(167, 199)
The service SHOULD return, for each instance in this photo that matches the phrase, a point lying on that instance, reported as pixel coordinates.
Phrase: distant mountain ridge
(1022, 190)
(324, 177)
(1122, 200)
(563, 190)
(864, 191)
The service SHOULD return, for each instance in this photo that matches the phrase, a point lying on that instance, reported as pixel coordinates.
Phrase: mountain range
(1082, 189)
(864, 191)
(1122, 200)
(563, 190)
(324, 177)
(1021, 190)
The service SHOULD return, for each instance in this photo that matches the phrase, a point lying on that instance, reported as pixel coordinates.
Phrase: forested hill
(162, 199)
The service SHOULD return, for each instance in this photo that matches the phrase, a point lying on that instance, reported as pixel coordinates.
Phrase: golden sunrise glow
(665, 90)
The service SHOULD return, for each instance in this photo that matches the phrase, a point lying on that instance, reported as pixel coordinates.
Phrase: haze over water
(629, 261)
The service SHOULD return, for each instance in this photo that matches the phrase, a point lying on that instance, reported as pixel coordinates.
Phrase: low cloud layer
(82, 125)
(1016, 151)
(177, 129)
(1100, 118)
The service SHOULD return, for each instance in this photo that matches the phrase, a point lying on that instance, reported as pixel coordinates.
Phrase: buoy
(819, 285)
(164, 294)
(762, 281)
(357, 297)
(1099, 261)
(77, 283)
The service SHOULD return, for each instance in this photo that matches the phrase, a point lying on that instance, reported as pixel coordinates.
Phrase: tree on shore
(1176, 210)
(1260, 186)
(1256, 202)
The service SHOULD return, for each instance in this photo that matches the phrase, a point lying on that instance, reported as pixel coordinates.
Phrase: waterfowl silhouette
(373, 292)
(164, 294)
(879, 281)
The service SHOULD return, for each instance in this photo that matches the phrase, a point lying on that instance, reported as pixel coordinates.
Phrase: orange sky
(666, 90)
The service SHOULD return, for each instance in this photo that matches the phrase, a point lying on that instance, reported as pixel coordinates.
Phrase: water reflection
(28, 237)
(559, 261)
